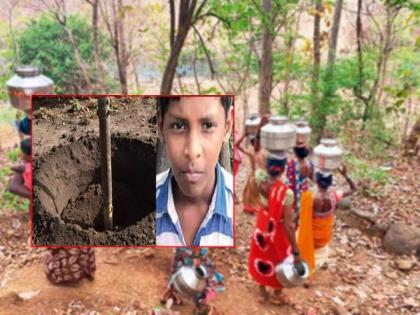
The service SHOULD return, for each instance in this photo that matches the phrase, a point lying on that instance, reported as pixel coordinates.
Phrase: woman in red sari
(274, 235)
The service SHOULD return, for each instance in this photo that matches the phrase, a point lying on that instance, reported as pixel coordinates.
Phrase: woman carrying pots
(317, 217)
(300, 169)
(252, 200)
(274, 235)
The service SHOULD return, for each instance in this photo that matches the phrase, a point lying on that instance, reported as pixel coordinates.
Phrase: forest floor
(361, 277)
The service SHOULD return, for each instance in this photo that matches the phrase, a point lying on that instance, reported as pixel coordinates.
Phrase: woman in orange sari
(299, 171)
(274, 236)
(317, 218)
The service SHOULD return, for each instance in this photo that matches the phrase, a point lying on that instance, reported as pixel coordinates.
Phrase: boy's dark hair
(25, 146)
(163, 103)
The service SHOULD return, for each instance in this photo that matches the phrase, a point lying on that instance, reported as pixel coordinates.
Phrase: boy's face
(194, 129)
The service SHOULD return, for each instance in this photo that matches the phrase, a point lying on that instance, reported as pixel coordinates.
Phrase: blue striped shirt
(216, 228)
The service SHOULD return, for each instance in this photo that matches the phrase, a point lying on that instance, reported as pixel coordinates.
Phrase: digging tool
(106, 169)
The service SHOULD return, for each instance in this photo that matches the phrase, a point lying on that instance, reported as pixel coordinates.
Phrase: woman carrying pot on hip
(274, 236)
(187, 256)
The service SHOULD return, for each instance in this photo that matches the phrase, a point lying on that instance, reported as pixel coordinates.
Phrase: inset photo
(94, 174)
(194, 184)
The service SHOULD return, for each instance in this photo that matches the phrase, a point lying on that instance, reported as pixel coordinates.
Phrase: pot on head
(27, 81)
(327, 155)
(303, 132)
(278, 134)
(252, 123)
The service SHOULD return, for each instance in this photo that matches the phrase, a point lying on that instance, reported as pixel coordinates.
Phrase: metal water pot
(252, 123)
(189, 280)
(288, 275)
(278, 134)
(27, 81)
(327, 155)
(303, 132)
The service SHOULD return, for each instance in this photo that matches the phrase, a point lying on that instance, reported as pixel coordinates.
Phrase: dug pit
(67, 197)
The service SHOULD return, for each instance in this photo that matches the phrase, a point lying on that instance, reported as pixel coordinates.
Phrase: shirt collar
(166, 204)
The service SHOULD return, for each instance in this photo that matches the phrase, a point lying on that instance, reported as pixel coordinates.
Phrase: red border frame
(132, 96)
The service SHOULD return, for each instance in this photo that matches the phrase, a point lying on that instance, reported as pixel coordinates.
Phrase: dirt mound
(67, 195)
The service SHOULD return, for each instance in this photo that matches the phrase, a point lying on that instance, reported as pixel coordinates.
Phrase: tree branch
(172, 25)
(212, 14)
(197, 13)
(206, 52)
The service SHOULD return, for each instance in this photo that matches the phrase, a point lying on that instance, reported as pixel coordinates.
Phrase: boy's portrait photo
(194, 192)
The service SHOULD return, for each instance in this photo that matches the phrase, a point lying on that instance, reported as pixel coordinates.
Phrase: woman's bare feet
(309, 284)
(165, 296)
(202, 309)
(278, 298)
(170, 294)
(263, 295)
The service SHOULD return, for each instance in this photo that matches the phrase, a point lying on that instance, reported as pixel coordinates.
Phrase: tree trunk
(136, 76)
(123, 58)
(289, 61)
(412, 143)
(79, 61)
(194, 66)
(185, 19)
(59, 11)
(372, 110)
(386, 51)
(266, 63)
(359, 34)
(98, 61)
(13, 5)
(332, 47)
(169, 73)
(115, 27)
(181, 87)
(329, 82)
(316, 69)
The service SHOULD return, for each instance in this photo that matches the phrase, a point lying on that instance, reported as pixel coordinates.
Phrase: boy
(22, 181)
(194, 198)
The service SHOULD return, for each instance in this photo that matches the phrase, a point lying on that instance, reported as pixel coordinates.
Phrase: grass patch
(4, 171)
(7, 113)
(14, 155)
(372, 180)
(11, 201)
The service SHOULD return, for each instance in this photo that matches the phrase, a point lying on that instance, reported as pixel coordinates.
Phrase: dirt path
(361, 278)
